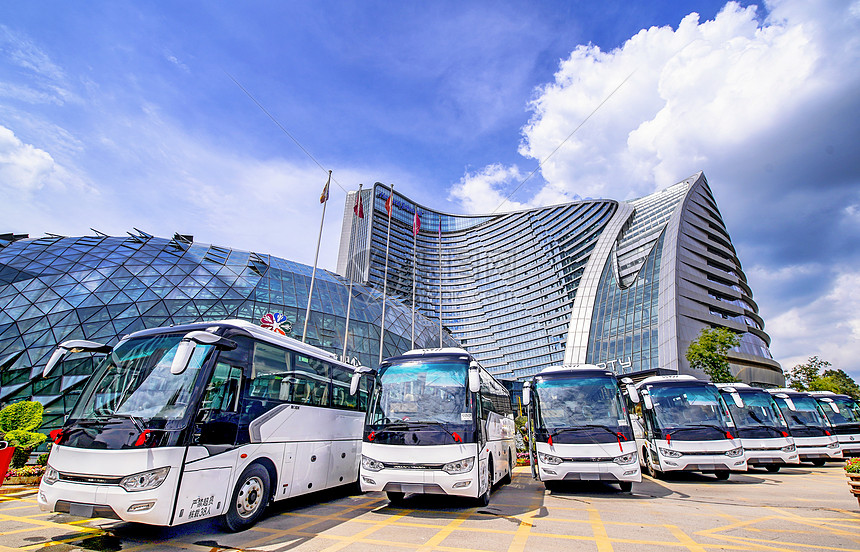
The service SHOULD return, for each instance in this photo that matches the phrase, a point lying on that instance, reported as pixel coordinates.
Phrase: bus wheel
(507, 478)
(484, 499)
(394, 497)
(249, 499)
(722, 475)
(626, 486)
(649, 466)
(771, 468)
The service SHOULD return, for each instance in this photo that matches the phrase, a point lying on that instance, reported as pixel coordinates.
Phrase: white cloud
(828, 327)
(49, 84)
(484, 191)
(767, 106)
(24, 168)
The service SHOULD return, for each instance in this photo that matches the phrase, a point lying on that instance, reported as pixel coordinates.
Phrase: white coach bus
(681, 423)
(437, 423)
(810, 428)
(202, 420)
(844, 415)
(761, 426)
(579, 428)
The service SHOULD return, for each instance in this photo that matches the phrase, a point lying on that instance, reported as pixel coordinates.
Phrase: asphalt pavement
(798, 509)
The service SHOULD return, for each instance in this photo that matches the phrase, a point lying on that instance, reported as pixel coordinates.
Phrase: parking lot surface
(799, 509)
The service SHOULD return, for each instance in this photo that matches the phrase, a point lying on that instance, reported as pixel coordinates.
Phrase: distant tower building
(624, 284)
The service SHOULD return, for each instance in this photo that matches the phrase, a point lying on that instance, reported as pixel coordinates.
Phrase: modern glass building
(626, 285)
(100, 288)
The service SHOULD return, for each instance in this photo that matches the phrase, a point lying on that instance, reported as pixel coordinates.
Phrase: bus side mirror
(474, 377)
(646, 400)
(73, 346)
(633, 394)
(353, 383)
(186, 348)
(788, 402)
(832, 404)
(527, 393)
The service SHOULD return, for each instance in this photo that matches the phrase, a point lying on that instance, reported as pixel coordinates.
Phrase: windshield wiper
(444, 427)
(585, 426)
(134, 420)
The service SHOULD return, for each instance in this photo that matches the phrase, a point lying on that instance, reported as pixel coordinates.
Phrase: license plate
(589, 476)
(81, 510)
(412, 488)
(707, 467)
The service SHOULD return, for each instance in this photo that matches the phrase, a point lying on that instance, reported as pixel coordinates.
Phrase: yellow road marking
(445, 531)
(600, 535)
(685, 539)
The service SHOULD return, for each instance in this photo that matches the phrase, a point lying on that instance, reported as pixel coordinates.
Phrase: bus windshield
(688, 412)
(417, 391)
(806, 419)
(759, 417)
(591, 404)
(849, 412)
(135, 382)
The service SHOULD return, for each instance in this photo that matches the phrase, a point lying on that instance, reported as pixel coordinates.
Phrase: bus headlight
(460, 466)
(145, 481)
(834, 444)
(670, 453)
(625, 458)
(50, 476)
(370, 464)
(788, 448)
(549, 459)
(734, 453)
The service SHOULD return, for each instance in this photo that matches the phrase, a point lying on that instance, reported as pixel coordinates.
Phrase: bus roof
(437, 351)
(255, 331)
(675, 379)
(573, 370)
(829, 394)
(787, 391)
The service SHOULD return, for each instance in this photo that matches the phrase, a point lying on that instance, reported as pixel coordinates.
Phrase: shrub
(18, 424)
(42, 460)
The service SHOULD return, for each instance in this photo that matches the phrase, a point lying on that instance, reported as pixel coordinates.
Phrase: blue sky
(116, 115)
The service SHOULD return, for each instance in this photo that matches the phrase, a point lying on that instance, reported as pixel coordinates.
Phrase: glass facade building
(626, 285)
(100, 288)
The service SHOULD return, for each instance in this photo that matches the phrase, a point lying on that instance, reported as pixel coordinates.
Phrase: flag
(416, 225)
(358, 209)
(389, 204)
(324, 194)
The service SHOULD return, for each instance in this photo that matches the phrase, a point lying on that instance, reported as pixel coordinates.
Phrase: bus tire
(394, 497)
(649, 466)
(484, 499)
(509, 475)
(626, 486)
(249, 499)
(772, 468)
(722, 475)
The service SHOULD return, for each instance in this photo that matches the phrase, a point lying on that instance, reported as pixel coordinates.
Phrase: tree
(708, 353)
(809, 377)
(803, 376)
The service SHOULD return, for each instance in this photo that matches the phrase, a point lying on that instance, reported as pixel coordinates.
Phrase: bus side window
(315, 375)
(341, 377)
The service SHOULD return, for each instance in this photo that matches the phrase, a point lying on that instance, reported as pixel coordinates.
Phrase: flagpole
(385, 273)
(324, 199)
(351, 268)
(440, 280)
(414, 244)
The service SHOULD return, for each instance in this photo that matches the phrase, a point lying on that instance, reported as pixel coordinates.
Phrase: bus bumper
(591, 471)
(703, 463)
(153, 507)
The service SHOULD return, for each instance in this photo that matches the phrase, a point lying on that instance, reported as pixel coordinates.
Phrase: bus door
(209, 464)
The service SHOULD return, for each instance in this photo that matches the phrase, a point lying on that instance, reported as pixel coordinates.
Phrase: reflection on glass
(419, 391)
(135, 380)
